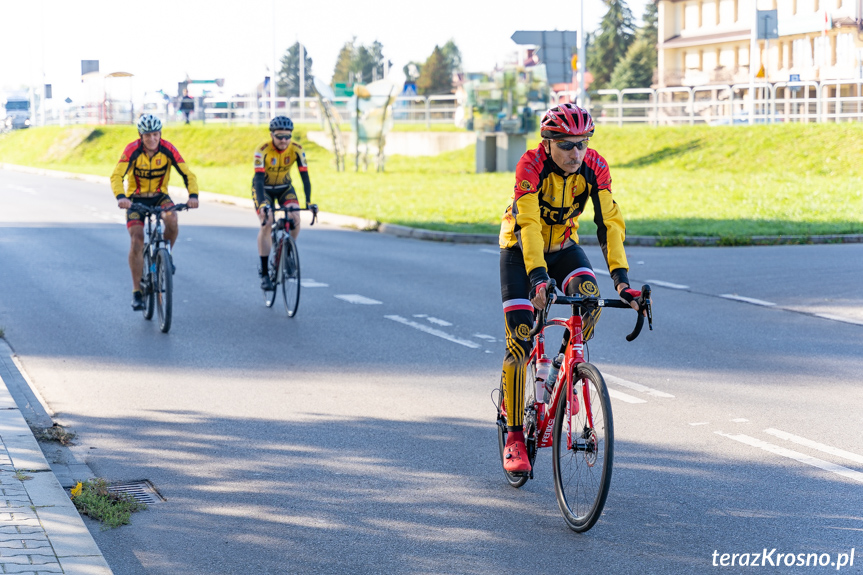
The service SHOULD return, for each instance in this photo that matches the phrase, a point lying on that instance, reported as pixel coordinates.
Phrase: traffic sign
(556, 48)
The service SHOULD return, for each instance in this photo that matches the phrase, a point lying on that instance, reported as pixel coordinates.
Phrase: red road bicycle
(575, 419)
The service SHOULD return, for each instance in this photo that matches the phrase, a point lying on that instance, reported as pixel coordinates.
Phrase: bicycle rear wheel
(270, 295)
(529, 427)
(582, 474)
(289, 276)
(164, 289)
(147, 287)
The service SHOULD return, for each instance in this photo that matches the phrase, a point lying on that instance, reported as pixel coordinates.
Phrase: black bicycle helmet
(281, 123)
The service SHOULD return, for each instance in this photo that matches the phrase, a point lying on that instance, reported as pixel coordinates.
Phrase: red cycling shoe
(515, 457)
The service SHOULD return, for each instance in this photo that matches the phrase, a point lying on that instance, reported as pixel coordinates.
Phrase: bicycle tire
(164, 288)
(147, 288)
(270, 295)
(582, 476)
(289, 276)
(529, 435)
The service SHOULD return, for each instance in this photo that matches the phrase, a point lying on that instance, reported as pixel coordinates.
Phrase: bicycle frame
(573, 355)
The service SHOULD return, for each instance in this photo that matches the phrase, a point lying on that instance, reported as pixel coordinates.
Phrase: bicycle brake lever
(645, 292)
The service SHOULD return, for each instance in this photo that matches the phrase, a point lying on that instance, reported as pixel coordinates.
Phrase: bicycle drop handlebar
(592, 302)
(154, 210)
(310, 208)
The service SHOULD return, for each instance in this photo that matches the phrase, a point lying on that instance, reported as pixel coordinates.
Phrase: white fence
(807, 101)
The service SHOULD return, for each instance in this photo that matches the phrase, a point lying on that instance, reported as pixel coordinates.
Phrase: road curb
(37, 503)
(401, 231)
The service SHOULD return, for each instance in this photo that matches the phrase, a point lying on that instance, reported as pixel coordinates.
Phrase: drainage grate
(142, 491)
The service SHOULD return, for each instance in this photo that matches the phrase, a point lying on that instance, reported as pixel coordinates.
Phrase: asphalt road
(350, 439)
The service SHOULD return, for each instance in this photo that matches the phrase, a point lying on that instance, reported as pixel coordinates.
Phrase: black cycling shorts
(136, 218)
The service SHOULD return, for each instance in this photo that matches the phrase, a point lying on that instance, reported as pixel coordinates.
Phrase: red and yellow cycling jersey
(148, 177)
(276, 165)
(543, 214)
(273, 171)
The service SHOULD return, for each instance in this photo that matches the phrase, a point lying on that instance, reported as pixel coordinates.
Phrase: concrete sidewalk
(40, 529)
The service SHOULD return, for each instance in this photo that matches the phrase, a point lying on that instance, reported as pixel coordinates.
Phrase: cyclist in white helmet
(147, 161)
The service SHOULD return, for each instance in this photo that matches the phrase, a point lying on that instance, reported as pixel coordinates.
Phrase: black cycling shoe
(267, 283)
(137, 301)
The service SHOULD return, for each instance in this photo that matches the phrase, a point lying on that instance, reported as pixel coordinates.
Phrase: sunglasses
(567, 146)
(283, 137)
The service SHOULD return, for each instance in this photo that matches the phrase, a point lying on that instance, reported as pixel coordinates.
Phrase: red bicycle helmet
(566, 120)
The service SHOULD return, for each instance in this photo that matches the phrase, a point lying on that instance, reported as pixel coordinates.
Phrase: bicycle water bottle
(543, 365)
(551, 380)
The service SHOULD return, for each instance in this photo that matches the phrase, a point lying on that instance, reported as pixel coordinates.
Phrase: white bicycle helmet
(149, 123)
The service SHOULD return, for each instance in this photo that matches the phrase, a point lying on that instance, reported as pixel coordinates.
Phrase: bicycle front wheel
(582, 472)
(164, 289)
(289, 276)
(147, 286)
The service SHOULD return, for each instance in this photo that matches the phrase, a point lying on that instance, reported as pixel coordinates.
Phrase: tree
(343, 72)
(452, 56)
(637, 68)
(616, 33)
(435, 77)
(359, 63)
(289, 74)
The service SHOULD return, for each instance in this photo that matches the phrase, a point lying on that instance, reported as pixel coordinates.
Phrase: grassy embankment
(730, 181)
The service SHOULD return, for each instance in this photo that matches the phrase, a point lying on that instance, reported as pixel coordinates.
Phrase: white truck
(14, 110)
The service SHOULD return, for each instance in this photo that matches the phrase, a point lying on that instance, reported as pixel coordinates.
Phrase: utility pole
(274, 72)
(302, 82)
(753, 46)
(581, 61)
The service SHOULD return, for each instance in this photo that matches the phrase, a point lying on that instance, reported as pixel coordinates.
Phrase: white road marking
(488, 251)
(796, 455)
(440, 322)
(636, 386)
(358, 299)
(310, 283)
(839, 318)
(485, 337)
(24, 189)
(815, 445)
(751, 300)
(739, 420)
(669, 285)
(624, 396)
(602, 272)
(432, 331)
(700, 423)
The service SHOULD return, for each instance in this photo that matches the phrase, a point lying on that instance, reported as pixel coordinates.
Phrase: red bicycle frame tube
(573, 355)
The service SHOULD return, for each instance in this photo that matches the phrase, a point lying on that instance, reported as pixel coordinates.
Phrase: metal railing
(742, 103)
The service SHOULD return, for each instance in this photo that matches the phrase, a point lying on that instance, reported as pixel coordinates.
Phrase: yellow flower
(76, 490)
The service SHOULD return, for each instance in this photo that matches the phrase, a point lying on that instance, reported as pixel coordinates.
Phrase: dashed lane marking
(669, 285)
(839, 318)
(751, 300)
(358, 299)
(433, 320)
(636, 386)
(815, 445)
(624, 396)
(796, 455)
(432, 331)
(485, 337)
(739, 420)
(310, 283)
(489, 251)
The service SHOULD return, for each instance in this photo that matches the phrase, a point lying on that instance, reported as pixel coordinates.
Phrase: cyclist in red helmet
(538, 240)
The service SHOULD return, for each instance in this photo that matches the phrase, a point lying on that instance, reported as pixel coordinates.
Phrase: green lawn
(669, 181)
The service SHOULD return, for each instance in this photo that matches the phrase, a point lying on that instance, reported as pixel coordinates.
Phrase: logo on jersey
(523, 332)
(272, 161)
(259, 162)
(524, 186)
(158, 161)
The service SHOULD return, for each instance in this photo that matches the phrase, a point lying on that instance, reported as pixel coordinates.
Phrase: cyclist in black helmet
(272, 181)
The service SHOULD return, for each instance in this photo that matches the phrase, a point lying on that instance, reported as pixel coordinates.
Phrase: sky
(161, 43)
